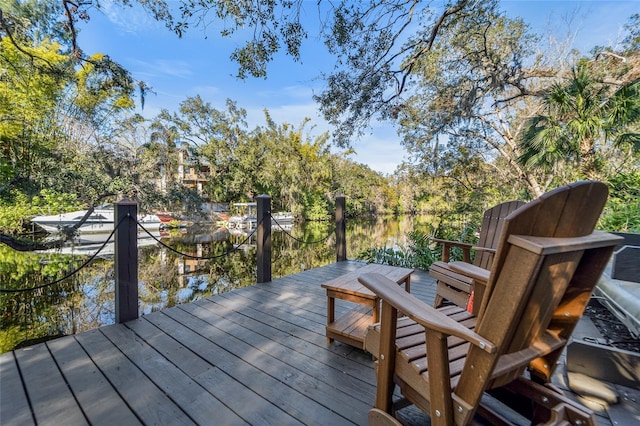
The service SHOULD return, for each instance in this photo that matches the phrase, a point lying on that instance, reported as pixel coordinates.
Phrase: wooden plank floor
(257, 355)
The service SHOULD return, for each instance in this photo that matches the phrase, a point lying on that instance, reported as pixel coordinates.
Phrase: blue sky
(177, 68)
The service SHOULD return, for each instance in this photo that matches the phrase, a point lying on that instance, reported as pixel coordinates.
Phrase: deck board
(211, 378)
(251, 368)
(51, 400)
(323, 376)
(14, 406)
(197, 403)
(150, 403)
(256, 355)
(99, 400)
(292, 336)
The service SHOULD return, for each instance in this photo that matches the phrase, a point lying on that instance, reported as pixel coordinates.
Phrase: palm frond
(628, 139)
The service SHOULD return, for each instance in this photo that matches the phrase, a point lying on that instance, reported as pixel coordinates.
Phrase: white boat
(250, 221)
(100, 220)
(282, 218)
(94, 244)
(246, 219)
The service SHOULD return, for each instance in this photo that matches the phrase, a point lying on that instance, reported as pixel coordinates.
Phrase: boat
(246, 220)
(283, 219)
(100, 220)
(250, 221)
(169, 221)
(90, 244)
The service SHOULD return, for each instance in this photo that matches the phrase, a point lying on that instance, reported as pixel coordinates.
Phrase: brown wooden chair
(444, 360)
(462, 286)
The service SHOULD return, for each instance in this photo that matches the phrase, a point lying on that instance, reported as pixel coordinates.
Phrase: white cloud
(207, 92)
(162, 68)
(132, 20)
(381, 151)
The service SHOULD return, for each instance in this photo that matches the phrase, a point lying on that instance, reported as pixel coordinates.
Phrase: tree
(582, 118)
(298, 171)
(57, 112)
(294, 168)
(162, 146)
(462, 116)
(373, 41)
(28, 107)
(207, 134)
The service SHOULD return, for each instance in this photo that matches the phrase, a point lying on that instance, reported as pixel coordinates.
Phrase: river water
(184, 266)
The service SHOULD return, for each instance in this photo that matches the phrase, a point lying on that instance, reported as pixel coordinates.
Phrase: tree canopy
(485, 111)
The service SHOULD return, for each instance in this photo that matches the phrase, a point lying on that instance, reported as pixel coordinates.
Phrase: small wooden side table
(351, 327)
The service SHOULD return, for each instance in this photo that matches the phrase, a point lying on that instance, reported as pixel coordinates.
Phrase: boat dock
(256, 355)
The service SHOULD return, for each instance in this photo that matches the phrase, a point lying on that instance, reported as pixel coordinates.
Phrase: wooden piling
(263, 204)
(126, 260)
(341, 229)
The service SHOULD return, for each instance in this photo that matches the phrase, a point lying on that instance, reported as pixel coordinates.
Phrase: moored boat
(249, 219)
(100, 220)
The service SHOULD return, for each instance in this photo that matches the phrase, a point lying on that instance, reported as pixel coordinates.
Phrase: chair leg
(386, 361)
(378, 417)
(438, 301)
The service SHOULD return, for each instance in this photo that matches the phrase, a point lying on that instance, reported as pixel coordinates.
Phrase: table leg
(331, 312)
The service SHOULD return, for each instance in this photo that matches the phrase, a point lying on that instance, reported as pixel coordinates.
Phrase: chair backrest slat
(492, 221)
(568, 211)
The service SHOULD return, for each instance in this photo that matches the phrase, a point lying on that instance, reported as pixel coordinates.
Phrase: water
(86, 300)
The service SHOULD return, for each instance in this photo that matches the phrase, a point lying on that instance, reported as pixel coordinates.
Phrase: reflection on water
(217, 261)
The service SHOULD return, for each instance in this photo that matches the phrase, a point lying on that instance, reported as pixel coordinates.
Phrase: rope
(233, 249)
(298, 239)
(69, 275)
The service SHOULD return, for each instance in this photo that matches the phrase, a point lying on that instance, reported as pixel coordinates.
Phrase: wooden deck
(257, 355)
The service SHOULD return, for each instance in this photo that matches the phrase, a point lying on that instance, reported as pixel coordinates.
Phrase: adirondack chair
(547, 262)
(461, 287)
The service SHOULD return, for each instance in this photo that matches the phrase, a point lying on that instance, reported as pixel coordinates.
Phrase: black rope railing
(70, 274)
(191, 256)
(322, 240)
(232, 250)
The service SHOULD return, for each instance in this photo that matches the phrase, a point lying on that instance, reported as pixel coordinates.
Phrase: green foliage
(13, 211)
(52, 202)
(622, 212)
(17, 208)
(298, 171)
(632, 40)
(102, 83)
(10, 337)
(421, 251)
(581, 118)
(30, 87)
(315, 207)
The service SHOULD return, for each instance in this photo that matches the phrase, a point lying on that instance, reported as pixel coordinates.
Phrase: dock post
(126, 260)
(263, 204)
(341, 229)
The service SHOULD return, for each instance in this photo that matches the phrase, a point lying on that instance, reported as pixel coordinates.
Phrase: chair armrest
(484, 249)
(472, 271)
(420, 312)
(446, 249)
(452, 243)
